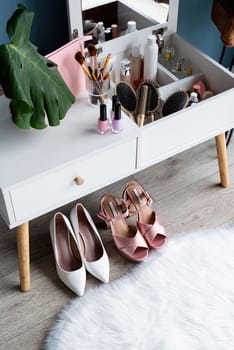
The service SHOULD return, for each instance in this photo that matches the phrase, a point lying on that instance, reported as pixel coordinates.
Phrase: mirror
(115, 16)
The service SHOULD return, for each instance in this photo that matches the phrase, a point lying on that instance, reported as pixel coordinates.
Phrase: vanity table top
(28, 153)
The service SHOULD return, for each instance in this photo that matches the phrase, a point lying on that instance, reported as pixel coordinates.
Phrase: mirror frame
(75, 20)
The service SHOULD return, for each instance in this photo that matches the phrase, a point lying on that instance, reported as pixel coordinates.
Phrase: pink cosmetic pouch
(68, 67)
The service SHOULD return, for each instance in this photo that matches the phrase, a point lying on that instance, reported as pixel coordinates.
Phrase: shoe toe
(99, 268)
(74, 280)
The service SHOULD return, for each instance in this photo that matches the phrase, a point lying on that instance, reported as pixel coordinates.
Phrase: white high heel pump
(69, 264)
(91, 247)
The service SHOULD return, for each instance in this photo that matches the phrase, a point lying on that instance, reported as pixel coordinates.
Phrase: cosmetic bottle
(100, 32)
(150, 59)
(117, 122)
(103, 123)
(136, 64)
(114, 31)
(131, 27)
(115, 100)
(125, 71)
(193, 99)
(108, 35)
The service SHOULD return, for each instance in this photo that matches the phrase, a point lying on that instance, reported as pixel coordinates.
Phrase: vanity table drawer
(186, 128)
(56, 188)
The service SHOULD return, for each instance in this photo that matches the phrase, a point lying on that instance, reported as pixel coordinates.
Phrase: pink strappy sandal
(139, 202)
(127, 238)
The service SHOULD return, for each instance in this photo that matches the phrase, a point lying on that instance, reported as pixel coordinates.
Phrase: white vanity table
(39, 168)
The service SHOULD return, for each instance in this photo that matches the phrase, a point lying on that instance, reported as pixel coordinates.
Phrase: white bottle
(150, 59)
(193, 100)
(131, 27)
(194, 97)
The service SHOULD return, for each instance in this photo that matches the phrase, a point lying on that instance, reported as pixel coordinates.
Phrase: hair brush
(175, 102)
(127, 98)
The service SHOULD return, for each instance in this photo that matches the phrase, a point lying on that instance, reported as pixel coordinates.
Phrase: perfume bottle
(125, 70)
(103, 123)
(117, 122)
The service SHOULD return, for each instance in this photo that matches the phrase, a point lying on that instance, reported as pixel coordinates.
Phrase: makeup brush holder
(98, 91)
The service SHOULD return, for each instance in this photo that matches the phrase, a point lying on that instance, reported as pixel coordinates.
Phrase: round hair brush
(175, 102)
(127, 98)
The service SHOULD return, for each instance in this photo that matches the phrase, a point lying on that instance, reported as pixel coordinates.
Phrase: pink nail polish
(103, 123)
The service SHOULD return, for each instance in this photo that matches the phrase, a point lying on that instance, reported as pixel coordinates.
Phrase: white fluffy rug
(181, 298)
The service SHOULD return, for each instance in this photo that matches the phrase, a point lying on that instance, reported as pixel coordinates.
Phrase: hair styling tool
(142, 99)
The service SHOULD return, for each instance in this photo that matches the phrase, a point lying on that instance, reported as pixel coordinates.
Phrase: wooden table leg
(23, 256)
(222, 159)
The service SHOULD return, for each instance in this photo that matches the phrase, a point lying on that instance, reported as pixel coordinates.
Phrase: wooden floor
(187, 196)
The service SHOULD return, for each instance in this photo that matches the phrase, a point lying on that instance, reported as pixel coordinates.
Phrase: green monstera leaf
(32, 82)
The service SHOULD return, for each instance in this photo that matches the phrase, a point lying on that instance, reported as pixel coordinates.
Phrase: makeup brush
(107, 75)
(100, 76)
(80, 58)
(106, 62)
(92, 73)
(93, 57)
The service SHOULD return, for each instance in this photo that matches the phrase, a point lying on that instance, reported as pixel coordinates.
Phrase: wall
(195, 25)
(49, 28)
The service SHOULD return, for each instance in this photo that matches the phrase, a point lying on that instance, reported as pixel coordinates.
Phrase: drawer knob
(79, 180)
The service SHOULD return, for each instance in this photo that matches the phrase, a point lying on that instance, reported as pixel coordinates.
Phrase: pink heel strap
(110, 220)
(154, 234)
(130, 201)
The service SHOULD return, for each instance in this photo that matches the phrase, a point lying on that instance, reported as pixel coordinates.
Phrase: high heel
(139, 202)
(127, 238)
(69, 264)
(92, 249)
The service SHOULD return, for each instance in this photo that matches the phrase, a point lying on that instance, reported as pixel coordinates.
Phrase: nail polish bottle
(115, 100)
(117, 122)
(103, 123)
